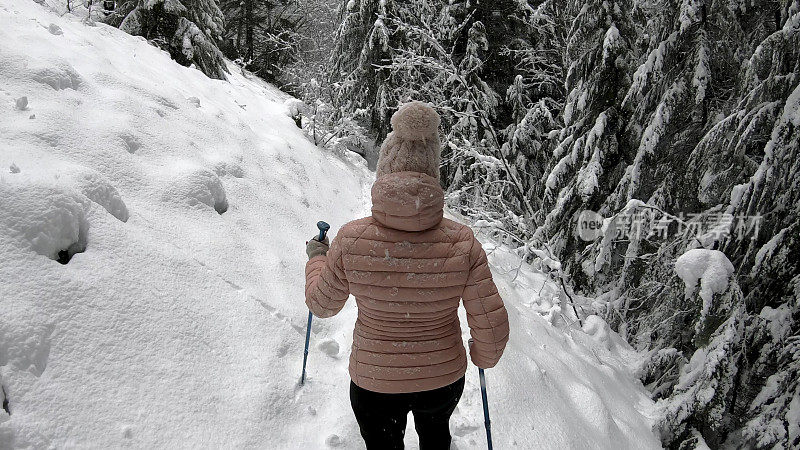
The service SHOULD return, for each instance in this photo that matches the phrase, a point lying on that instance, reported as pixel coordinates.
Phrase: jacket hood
(407, 201)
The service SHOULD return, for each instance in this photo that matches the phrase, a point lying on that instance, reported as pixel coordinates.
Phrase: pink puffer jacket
(408, 268)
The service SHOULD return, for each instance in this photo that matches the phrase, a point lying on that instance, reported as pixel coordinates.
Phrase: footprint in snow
(131, 142)
(127, 432)
(283, 350)
(330, 347)
(465, 429)
(21, 103)
(334, 441)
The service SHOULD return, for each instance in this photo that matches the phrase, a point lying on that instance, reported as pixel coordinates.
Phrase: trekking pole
(305, 351)
(323, 230)
(486, 420)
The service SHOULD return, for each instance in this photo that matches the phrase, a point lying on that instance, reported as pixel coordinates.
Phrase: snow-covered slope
(179, 322)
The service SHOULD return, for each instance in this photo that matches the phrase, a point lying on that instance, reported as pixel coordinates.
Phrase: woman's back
(408, 268)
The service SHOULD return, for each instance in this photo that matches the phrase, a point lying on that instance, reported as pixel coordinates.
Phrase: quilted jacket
(409, 269)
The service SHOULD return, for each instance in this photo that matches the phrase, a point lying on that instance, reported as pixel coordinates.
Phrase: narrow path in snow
(556, 387)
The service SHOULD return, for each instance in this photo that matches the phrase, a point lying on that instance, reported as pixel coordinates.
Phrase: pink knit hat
(413, 145)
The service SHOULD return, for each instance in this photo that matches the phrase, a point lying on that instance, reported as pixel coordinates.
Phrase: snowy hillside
(181, 206)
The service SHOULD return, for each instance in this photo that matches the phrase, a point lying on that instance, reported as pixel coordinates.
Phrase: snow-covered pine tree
(699, 405)
(770, 393)
(481, 179)
(526, 141)
(589, 154)
(242, 19)
(363, 47)
(721, 144)
(535, 97)
(316, 45)
(669, 104)
(189, 30)
(696, 411)
(263, 35)
(505, 23)
(482, 183)
(681, 86)
(770, 259)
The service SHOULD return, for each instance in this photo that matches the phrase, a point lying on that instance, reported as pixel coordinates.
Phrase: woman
(408, 269)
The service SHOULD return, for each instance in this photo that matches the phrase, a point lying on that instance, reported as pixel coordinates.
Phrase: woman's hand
(316, 248)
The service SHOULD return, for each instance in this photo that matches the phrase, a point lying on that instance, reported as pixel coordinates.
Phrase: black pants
(382, 417)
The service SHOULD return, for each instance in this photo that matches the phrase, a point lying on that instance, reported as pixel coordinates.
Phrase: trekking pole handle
(323, 229)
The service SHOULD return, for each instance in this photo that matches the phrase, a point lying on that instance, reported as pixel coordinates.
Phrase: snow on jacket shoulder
(408, 269)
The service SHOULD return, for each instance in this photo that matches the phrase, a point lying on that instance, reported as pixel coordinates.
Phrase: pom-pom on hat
(413, 145)
(415, 121)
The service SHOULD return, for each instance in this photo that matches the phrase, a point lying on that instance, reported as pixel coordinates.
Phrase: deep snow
(184, 204)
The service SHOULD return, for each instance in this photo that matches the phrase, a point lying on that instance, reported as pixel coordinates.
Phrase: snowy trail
(181, 325)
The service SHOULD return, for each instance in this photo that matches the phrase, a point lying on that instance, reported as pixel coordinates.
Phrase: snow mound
(601, 332)
(594, 410)
(48, 219)
(710, 267)
(93, 185)
(198, 188)
(99, 189)
(27, 348)
(60, 75)
(294, 107)
(227, 166)
(53, 71)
